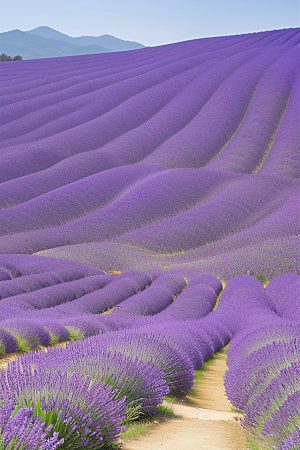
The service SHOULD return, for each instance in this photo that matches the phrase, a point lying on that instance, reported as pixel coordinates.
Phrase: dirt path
(208, 422)
(5, 360)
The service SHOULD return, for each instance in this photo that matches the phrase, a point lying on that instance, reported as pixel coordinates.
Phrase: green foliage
(165, 410)
(135, 429)
(132, 413)
(75, 333)
(252, 444)
(198, 374)
(264, 280)
(64, 428)
(237, 410)
(258, 443)
(54, 339)
(5, 57)
(48, 417)
(171, 399)
(12, 444)
(23, 345)
(2, 350)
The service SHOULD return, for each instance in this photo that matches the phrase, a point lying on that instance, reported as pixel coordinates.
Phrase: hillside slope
(183, 155)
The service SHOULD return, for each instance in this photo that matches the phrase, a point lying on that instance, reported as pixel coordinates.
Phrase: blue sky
(151, 22)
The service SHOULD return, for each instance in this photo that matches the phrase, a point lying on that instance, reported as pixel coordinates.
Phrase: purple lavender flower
(8, 342)
(142, 383)
(292, 442)
(24, 430)
(76, 407)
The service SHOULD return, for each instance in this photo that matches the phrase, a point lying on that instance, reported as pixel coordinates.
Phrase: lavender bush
(84, 413)
(263, 380)
(141, 383)
(25, 431)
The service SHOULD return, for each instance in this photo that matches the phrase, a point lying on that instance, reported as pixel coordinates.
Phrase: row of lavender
(124, 161)
(166, 96)
(154, 350)
(57, 307)
(264, 360)
(118, 377)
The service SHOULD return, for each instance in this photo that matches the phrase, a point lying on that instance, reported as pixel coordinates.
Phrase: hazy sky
(150, 22)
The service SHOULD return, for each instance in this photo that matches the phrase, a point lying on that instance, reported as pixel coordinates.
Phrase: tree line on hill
(5, 57)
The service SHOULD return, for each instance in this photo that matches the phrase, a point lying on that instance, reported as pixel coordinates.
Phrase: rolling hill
(179, 156)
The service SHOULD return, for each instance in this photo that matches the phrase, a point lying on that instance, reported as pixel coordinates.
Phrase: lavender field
(135, 186)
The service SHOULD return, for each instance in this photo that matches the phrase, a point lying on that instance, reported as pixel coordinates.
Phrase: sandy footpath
(5, 360)
(208, 422)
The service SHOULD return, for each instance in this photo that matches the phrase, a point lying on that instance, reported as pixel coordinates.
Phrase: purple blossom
(83, 409)
(284, 417)
(142, 383)
(8, 342)
(146, 345)
(24, 430)
(292, 441)
(283, 295)
(185, 133)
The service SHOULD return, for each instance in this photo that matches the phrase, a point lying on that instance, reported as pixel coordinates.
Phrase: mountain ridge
(31, 45)
(106, 40)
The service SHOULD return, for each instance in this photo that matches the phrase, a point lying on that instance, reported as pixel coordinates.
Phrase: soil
(5, 360)
(207, 423)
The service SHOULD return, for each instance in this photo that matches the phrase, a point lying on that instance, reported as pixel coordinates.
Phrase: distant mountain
(44, 42)
(106, 41)
(50, 33)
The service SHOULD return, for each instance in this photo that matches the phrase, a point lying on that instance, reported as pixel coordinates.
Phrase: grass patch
(261, 443)
(75, 333)
(252, 444)
(135, 430)
(198, 374)
(54, 339)
(164, 410)
(2, 350)
(140, 427)
(171, 399)
(237, 410)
